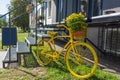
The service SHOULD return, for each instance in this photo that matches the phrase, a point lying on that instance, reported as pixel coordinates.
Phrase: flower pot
(79, 34)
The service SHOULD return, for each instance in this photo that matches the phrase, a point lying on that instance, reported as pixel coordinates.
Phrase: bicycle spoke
(42, 53)
(80, 60)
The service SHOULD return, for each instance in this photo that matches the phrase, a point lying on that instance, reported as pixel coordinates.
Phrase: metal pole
(90, 10)
(45, 12)
(10, 38)
(101, 7)
(36, 22)
(43, 7)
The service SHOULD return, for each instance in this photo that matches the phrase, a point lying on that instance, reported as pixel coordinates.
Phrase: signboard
(9, 36)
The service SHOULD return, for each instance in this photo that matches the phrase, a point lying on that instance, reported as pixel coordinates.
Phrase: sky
(3, 6)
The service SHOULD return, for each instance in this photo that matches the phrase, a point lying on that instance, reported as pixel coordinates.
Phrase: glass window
(95, 8)
(84, 7)
(59, 9)
(49, 14)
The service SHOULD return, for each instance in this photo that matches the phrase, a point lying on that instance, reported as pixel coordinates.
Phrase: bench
(21, 49)
(30, 41)
(11, 56)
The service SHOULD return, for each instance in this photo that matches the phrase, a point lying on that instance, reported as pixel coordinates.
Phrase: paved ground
(2, 56)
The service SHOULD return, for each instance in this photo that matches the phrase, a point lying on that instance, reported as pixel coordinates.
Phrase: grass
(59, 72)
(32, 71)
(21, 36)
(4, 47)
(0, 30)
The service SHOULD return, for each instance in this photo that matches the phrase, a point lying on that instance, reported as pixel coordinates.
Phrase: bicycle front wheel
(81, 60)
(43, 50)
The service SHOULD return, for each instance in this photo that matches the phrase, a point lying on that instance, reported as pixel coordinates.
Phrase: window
(84, 7)
(95, 8)
(49, 13)
(76, 6)
(59, 9)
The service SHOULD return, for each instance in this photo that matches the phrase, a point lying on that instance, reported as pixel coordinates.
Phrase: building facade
(103, 37)
(57, 10)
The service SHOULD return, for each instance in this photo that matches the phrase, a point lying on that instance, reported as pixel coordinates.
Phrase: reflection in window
(59, 10)
(84, 7)
(49, 8)
(95, 8)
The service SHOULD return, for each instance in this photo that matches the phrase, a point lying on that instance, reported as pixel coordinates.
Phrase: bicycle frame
(67, 45)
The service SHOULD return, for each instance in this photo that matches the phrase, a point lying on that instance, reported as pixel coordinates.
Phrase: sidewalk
(2, 56)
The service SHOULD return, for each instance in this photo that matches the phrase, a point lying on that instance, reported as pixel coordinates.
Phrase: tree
(40, 1)
(19, 16)
(3, 23)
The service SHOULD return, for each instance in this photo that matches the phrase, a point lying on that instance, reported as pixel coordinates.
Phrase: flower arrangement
(76, 22)
(29, 8)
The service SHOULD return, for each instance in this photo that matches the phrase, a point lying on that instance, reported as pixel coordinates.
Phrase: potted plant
(76, 23)
(29, 8)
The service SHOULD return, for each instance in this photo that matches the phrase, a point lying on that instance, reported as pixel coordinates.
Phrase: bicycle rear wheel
(43, 50)
(81, 60)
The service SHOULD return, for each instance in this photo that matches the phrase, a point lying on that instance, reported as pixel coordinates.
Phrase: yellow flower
(80, 14)
(75, 21)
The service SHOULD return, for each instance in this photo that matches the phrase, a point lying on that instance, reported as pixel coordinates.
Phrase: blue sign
(9, 36)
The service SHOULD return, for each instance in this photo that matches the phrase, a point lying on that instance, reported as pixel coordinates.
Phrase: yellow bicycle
(78, 54)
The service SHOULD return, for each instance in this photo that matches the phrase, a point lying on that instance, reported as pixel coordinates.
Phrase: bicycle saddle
(52, 33)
